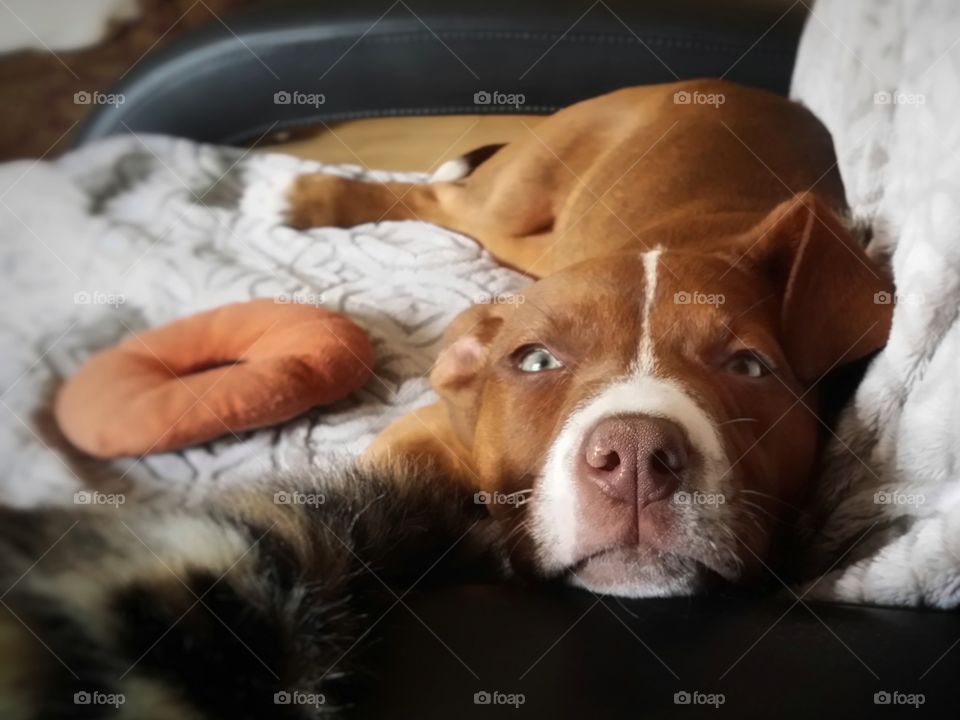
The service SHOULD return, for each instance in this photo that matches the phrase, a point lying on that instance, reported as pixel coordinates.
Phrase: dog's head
(645, 421)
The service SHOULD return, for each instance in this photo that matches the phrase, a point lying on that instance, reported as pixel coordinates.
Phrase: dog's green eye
(537, 359)
(747, 364)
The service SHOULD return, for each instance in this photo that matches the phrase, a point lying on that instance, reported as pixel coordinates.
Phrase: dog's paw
(268, 180)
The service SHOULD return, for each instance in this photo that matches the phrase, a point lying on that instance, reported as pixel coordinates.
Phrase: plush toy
(234, 368)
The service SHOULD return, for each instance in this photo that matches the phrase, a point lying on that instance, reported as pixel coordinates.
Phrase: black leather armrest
(575, 655)
(369, 58)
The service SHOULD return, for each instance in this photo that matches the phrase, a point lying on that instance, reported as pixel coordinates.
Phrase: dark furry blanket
(256, 605)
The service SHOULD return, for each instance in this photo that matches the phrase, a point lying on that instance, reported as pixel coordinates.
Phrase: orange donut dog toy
(230, 369)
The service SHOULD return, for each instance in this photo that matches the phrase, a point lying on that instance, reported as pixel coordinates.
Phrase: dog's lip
(644, 553)
(608, 552)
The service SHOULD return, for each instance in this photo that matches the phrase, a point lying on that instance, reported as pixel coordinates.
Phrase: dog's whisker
(756, 507)
(752, 517)
(516, 536)
(517, 493)
(768, 496)
(737, 420)
(731, 548)
(778, 520)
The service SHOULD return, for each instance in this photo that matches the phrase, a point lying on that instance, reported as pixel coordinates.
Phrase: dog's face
(642, 422)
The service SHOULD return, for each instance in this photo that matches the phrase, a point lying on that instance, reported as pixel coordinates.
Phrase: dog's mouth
(638, 570)
(676, 553)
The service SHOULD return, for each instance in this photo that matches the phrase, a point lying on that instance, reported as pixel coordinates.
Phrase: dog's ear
(457, 375)
(836, 303)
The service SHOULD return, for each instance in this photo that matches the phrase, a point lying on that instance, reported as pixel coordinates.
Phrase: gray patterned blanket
(149, 229)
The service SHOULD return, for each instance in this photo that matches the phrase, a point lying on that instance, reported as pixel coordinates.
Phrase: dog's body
(632, 170)
(654, 395)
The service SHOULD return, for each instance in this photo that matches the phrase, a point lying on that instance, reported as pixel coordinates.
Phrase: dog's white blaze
(646, 360)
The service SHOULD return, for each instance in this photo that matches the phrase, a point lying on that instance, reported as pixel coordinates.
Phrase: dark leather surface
(574, 656)
(372, 58)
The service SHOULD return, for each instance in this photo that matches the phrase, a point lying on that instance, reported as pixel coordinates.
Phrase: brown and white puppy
(647, 417)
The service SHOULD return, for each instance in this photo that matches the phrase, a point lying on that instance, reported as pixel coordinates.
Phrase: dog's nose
(636, 457)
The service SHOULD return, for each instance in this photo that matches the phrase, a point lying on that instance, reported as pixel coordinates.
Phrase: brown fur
(742, 198)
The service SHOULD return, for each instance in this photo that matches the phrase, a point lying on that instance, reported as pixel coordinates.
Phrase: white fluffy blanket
(130, 233)
(885, 78)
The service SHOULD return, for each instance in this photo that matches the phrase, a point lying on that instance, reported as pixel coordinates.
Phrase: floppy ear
(836, 303)
(457, 375)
